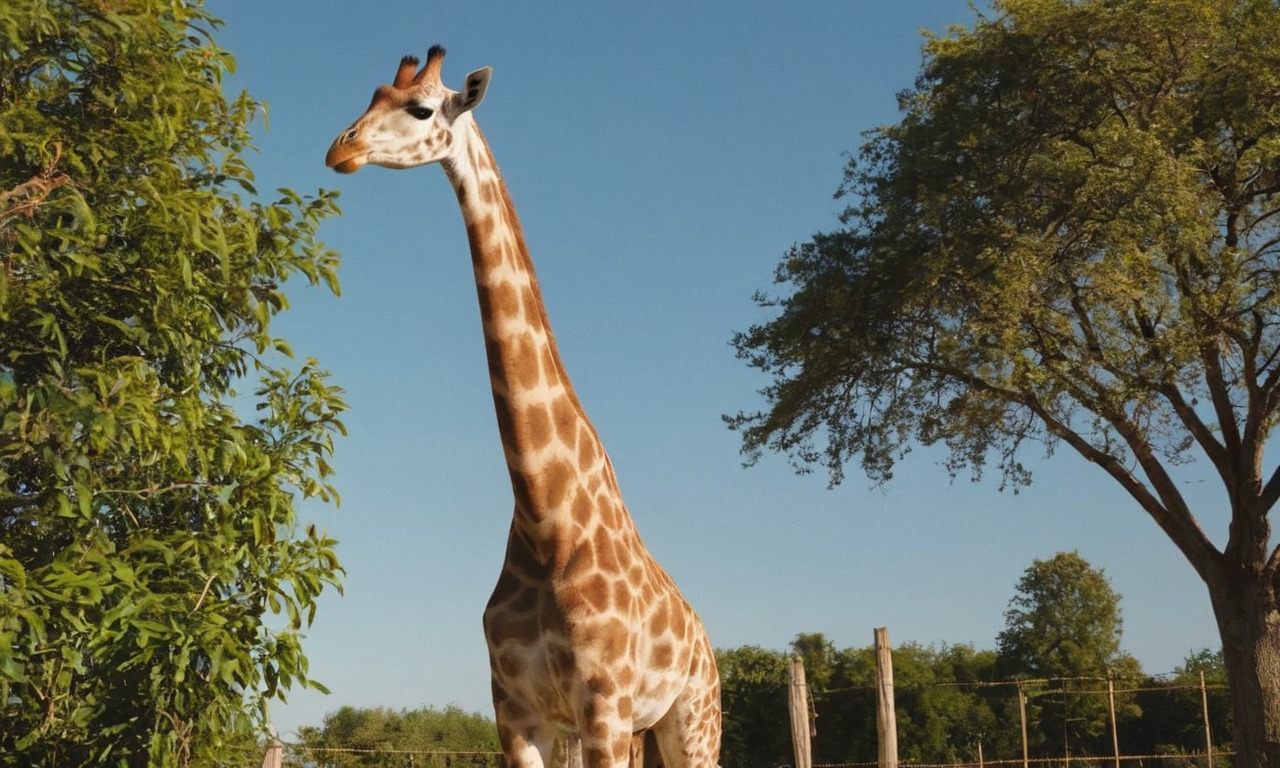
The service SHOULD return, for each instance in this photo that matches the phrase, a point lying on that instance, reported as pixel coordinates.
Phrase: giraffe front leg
(689, 734)
(568, 752)
(604, 728)
(527, 741)
(611, 750)
(524, 750)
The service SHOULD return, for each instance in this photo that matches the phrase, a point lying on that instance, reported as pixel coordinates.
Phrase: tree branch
(27, 196)
(1203, 435)
(1259, 396)
(1270, 493)
(1166, 506)
(24, 198)
(1221, 398)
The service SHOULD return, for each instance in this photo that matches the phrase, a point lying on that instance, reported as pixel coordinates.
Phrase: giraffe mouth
(350, 165)
(345, 158)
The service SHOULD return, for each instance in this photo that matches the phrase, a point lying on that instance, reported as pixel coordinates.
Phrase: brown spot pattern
(585, 630)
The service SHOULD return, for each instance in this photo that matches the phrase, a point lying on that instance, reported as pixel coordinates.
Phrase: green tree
(370, 738)
(846, 709)
(753, 695)
(1173, 709)
(1065, 621)
(148, 530)
(1071, 237)
(818, 655)
(941, 717)
(1065, 624)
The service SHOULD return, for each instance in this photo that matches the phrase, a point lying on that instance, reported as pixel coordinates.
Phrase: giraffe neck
(554, 457)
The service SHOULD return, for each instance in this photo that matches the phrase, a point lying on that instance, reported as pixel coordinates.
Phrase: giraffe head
(410, 122)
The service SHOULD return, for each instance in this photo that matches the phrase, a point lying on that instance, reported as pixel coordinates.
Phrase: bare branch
(23, 199)
(1166, 506)
(1219, 395)
(1202, 434)
(1270, 492)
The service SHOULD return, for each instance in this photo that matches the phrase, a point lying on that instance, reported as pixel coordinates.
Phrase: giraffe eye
(420, 112)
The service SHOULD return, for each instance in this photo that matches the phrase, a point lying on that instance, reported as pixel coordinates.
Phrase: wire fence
(340, 757)
(1189, 760)
(1089, 722)
(1172, 723)
(333, 757)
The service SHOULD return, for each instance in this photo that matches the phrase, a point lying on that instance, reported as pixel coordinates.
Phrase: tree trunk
(1248, 614)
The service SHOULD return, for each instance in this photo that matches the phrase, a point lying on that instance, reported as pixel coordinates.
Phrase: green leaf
(137, 290)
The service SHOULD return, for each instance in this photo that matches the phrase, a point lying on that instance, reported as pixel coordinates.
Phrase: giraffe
(589, 638)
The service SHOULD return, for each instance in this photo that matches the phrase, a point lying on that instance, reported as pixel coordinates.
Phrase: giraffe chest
(553, 642)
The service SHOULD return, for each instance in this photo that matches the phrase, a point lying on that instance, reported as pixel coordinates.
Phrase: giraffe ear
(473, 90)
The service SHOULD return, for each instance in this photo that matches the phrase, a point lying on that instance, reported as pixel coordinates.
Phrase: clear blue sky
(662, 156)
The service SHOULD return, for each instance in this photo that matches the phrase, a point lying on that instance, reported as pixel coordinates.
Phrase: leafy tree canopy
(353, 737)
(953, 700)
(1071, 234)
(148, 529)
(1065, 621)
(1202, 662)
(753, 697)
(1071, 237)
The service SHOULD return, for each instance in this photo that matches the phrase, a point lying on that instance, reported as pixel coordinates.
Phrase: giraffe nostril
(349, 136)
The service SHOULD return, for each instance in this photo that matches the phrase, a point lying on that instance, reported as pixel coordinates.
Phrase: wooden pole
(274, 757)
(886, 719)
(1111, 709)
(798, 706)
(1022, 712)
(1208, 736)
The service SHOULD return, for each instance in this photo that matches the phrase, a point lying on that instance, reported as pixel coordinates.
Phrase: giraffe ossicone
(588, 636)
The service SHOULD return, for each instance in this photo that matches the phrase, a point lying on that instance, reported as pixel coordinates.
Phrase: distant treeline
(948, 700)
(952, 698)
(1058, 664)
(379, 737)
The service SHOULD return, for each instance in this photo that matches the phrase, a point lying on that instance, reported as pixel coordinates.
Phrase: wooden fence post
(274, 757)
(798, 706)
(886, 720)
(1022, 713)
(1111, 710)
(1208, 736)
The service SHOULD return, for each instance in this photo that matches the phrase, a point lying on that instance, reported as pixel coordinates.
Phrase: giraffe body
(588, 636)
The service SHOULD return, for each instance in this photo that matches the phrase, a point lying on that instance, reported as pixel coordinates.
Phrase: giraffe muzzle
(347, 153)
